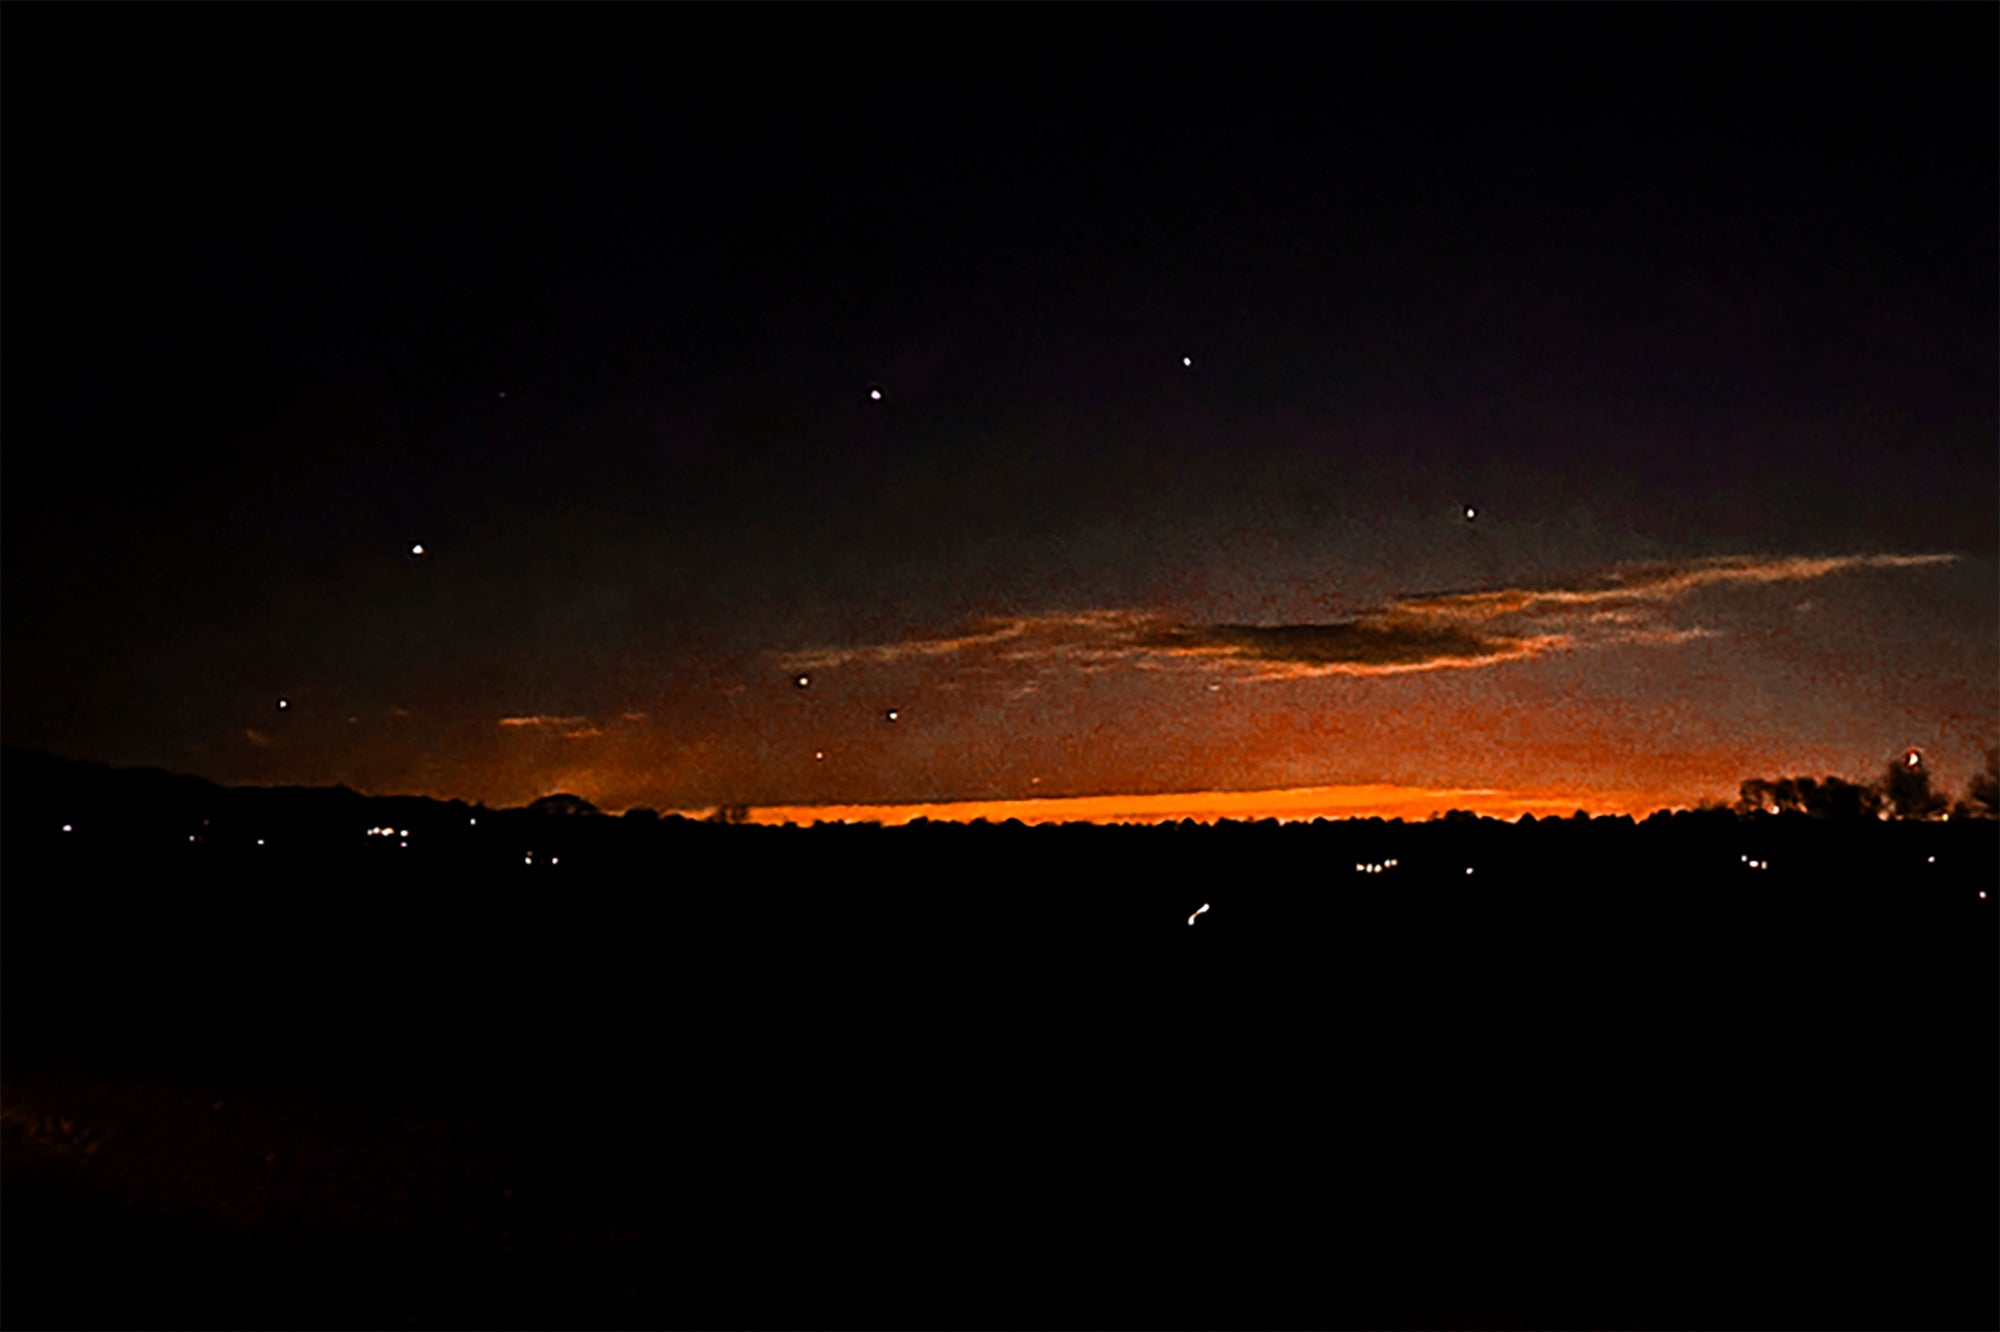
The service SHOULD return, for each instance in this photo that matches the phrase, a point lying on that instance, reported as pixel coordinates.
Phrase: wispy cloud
(568, 728)
(1428, 632)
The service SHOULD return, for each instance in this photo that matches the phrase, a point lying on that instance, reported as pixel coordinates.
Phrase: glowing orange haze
(1307, 802)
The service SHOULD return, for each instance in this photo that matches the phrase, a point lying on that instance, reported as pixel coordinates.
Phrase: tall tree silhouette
(1982, 793)
(1906, 786)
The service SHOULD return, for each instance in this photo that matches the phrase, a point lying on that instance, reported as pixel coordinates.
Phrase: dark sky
(1695, 306)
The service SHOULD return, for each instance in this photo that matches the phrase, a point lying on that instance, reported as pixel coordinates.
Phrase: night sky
(1366, 408)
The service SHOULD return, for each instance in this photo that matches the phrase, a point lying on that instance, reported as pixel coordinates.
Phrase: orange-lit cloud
(569, 728)
(1438, 631)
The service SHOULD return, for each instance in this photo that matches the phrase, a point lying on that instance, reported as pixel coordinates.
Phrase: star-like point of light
(284, 703)
(1187, 361)
(893, 714)
(801, 681)
(417, 550)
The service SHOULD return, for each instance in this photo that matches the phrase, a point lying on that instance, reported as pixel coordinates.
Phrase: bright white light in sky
(875, 395)
(284, 703)
(894, 713)
(67, 828)
(1187, 360)
(417, 550)
(802, 681)
(1198, 911)
(1470, 513)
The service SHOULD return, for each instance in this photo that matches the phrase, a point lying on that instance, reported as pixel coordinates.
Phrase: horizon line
(1285, 804)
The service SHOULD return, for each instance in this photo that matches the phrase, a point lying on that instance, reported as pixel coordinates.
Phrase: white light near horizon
(1198, 911)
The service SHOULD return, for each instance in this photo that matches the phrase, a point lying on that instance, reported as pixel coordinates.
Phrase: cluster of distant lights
(1361, 867)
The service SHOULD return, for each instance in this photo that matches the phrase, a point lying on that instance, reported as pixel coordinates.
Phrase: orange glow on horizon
(1409, 803)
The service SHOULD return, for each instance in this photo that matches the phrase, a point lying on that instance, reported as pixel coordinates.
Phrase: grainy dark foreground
(696, 1076)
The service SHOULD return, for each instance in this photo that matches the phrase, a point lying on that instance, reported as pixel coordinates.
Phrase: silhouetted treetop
(562, 803)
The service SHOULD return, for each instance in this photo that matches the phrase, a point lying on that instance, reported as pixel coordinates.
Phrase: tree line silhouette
(1903, 791)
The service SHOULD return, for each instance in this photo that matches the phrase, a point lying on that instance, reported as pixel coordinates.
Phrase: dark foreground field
(937, 1077)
